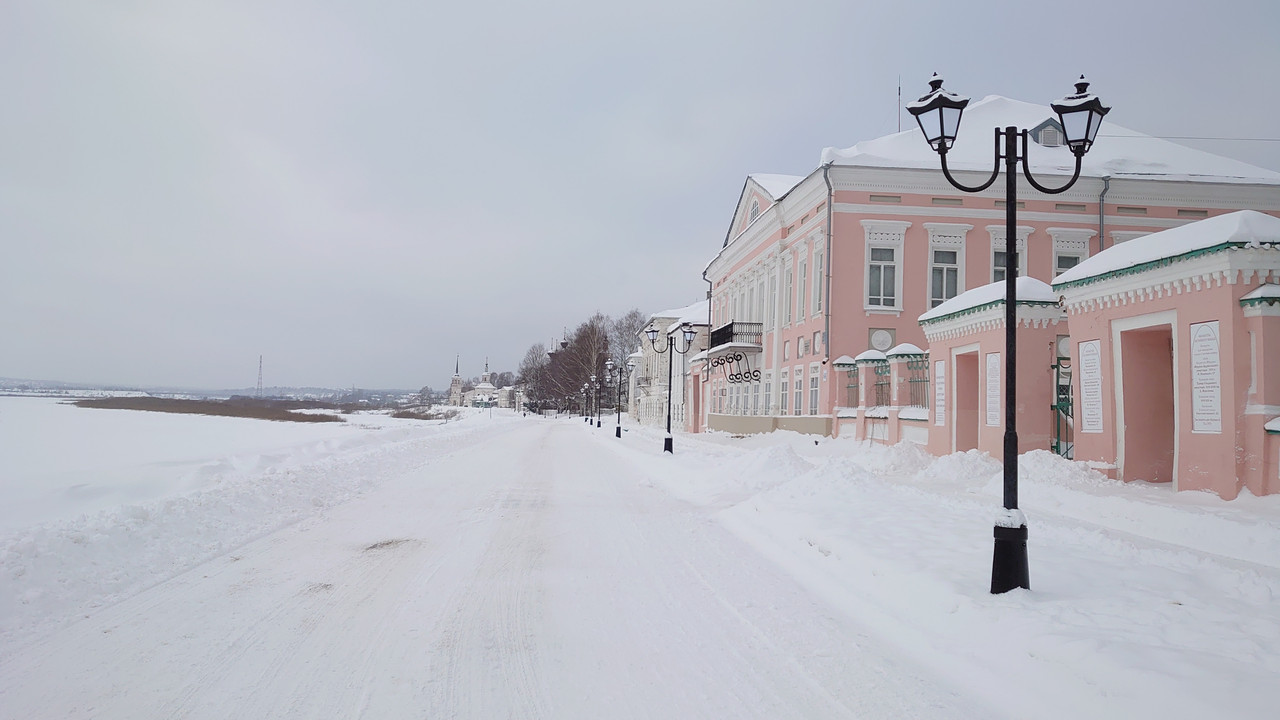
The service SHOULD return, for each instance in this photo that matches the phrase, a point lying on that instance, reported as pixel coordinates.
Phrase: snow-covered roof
(1244, 226)
(1273, 425)
(695, 313)
(867, 355)
(1270, 290)
(776, 185)
(1118, 151)
(844, 361)
(1028, 289)
(904, 349)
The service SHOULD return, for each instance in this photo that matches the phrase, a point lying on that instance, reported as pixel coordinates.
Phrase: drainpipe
(826, 309)
(1102, 221)
(706, 362)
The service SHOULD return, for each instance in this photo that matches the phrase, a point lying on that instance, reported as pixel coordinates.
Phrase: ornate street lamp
(613, 374)
(688, 333)
(586, 402)
(595, 389)
(938, 114)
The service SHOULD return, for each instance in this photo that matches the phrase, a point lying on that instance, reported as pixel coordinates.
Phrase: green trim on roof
(1250, 302)
(986, 306)
(1152, 264)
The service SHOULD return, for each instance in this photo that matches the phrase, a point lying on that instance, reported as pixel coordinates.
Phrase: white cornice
(1178, 192)
(992, 318)
(1226, 267)
(997, 215)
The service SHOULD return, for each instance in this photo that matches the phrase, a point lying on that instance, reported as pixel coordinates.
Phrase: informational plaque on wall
(993, 389)
(1206, 379)
(940, 392)
(1091, 386)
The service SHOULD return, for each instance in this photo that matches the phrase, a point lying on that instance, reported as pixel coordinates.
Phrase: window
(813, 390)
(804, 290)
(755, 211)
(817, 340)
(1000, 265)
(1070, 247)
(768, 392)
(799, 389)
(788, 284)
(882, 289)
(786, 349)
(800, 348)
(944, 281)
(782, 396)
(946, 260)
(755, 398)
(884, 242)
(773, 300)
(817, 283)
(998, 251)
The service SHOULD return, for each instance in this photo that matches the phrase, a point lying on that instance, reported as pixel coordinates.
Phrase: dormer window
(1048, 134)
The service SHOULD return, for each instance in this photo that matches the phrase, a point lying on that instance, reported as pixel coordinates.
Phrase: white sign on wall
(993, 389)
(940, 392)
(1206, 379)
(1091, 386)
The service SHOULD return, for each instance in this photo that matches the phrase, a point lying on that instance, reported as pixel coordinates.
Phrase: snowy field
(161, 566)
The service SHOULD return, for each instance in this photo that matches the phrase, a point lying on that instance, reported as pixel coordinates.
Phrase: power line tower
(259, 393)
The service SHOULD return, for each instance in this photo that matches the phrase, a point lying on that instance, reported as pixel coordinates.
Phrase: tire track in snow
(491, 664)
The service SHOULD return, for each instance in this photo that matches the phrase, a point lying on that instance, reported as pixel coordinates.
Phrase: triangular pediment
(759, 193)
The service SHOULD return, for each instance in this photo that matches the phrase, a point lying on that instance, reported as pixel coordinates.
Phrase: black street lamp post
(614, 374)
(1080, 115)
(595, 390)
(688, 332)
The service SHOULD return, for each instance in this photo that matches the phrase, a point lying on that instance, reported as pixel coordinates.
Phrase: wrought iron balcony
(738, 333)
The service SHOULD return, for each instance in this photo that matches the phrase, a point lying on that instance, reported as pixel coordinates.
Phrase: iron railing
(918, 381)
(882, 383)
(748, 333)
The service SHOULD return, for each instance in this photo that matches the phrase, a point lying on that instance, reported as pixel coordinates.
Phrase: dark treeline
(554, 376)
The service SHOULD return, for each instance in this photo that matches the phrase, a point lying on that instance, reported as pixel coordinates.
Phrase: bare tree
(624, 335)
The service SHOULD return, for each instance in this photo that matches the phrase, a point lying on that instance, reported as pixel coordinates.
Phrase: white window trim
(1073, 242)
(998, 245)
(798, 390)
(802, 290)
(946, 236)
(815, 391)
(789, 293)
(819, 280)
(767, 400)
(890, 234)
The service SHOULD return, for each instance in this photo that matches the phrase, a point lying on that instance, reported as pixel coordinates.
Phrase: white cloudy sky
(358, 191)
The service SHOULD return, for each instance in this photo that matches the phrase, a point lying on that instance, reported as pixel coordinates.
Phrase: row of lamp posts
(670, 347)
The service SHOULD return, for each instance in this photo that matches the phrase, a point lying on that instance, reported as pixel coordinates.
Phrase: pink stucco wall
(966, 424)
(1204, 460)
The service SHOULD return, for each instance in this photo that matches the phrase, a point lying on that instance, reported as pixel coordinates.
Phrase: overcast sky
(358, 191)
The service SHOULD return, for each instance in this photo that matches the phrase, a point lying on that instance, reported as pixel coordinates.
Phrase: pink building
(815, 271)
(1176, 341)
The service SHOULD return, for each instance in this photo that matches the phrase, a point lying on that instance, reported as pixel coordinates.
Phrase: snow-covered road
(538, 569)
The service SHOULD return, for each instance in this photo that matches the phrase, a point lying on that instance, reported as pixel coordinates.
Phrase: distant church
(455, 385)
(482, 395)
